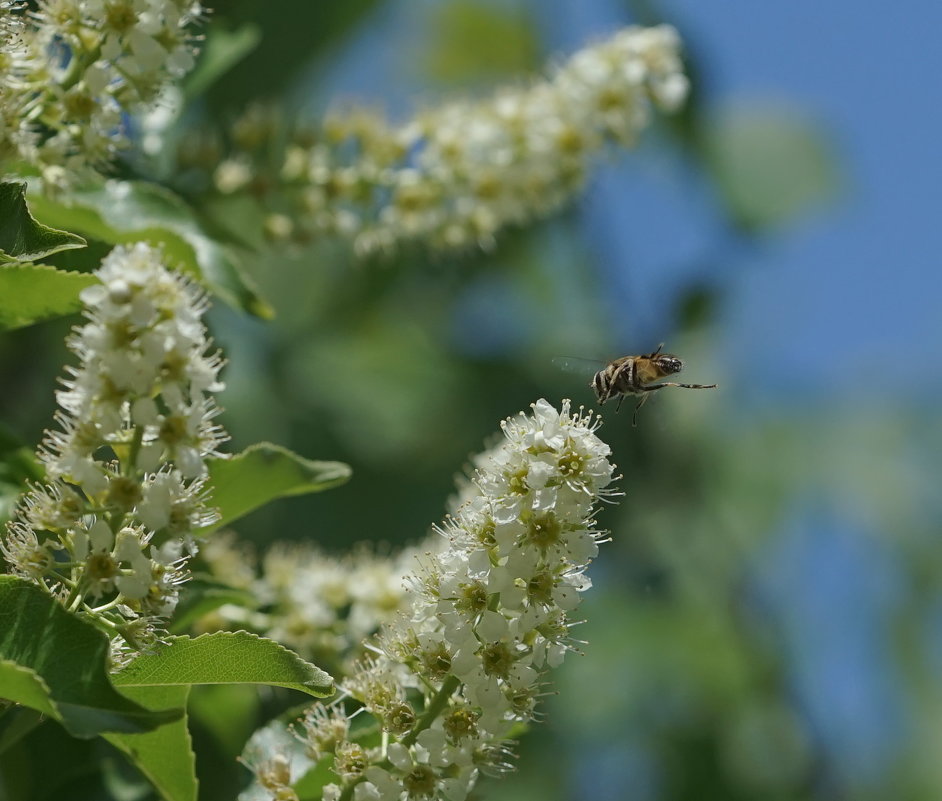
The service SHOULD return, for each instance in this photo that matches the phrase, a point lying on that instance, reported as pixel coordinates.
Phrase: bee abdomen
(600, 385)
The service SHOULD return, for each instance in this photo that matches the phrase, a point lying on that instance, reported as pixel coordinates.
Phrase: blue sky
(824, 306)
(844, 293)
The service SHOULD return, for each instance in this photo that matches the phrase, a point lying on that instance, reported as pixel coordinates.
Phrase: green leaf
(161, 681)
(16, 723)
(222, 50)
(120, 212)
(30, 293)
(165, 755)
(21, 237)
(263, 472)
(225, 657)
(771, 164)
(54, 662)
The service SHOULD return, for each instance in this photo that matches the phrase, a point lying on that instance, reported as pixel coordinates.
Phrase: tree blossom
(488, 613)
(455, 174)
(73, 69)
(111, 530)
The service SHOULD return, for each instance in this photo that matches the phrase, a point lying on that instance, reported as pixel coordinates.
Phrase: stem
(133, 450)
(434, 708)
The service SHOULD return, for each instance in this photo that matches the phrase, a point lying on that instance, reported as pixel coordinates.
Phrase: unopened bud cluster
(488, 614)
(73, 69)
(455, 175)
(110, 531)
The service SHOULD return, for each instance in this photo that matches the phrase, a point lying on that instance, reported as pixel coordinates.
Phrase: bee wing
(577, 365)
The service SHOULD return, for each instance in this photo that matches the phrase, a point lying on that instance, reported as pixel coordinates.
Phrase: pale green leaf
(225, 657)
(30, 293)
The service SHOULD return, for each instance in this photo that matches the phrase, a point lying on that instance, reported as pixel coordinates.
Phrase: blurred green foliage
(403, 368)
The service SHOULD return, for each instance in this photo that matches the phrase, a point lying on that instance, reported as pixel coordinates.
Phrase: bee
(634, 375)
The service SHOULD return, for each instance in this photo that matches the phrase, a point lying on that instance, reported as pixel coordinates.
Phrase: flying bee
(634, 375)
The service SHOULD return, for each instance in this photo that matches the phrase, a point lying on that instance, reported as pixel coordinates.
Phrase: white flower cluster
(455, 175)
(110, 531)
(76, 67)
(323, 607)
(489, 614)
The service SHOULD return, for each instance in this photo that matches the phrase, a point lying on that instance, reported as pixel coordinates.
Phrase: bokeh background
(767, 622)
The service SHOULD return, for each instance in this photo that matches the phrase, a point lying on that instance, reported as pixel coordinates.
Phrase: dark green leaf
(21, 237)
(53, 662)
(18, 463)
(165, 755)
(121, 212)
(161, 681)
(16, 723)
(18, 466)
(264, 472)
(222, 50)
(289, 39)
(30, 293)
(225, 657)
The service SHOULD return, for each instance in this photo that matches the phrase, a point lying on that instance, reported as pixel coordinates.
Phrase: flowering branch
(111, 531)
(488, 614)
(453, 176)
(71, 69)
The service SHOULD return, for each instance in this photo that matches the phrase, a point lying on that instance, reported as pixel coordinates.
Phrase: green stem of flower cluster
(433, 710)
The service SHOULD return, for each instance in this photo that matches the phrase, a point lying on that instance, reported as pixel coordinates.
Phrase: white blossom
(486, 616)
(126, 465)
(73, 69)
(456, 174)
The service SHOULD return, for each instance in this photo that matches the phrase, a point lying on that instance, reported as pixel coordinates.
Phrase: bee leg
(620, 399)
(634, 417)
(644, 397)
(685, 386)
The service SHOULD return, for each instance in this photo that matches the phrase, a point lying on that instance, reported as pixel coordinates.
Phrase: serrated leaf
(262, 473)
(21, 237)
(54, 662)
(165, 755)
(225, 657)
(30, 293)
(162, 680)
(120, 212)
